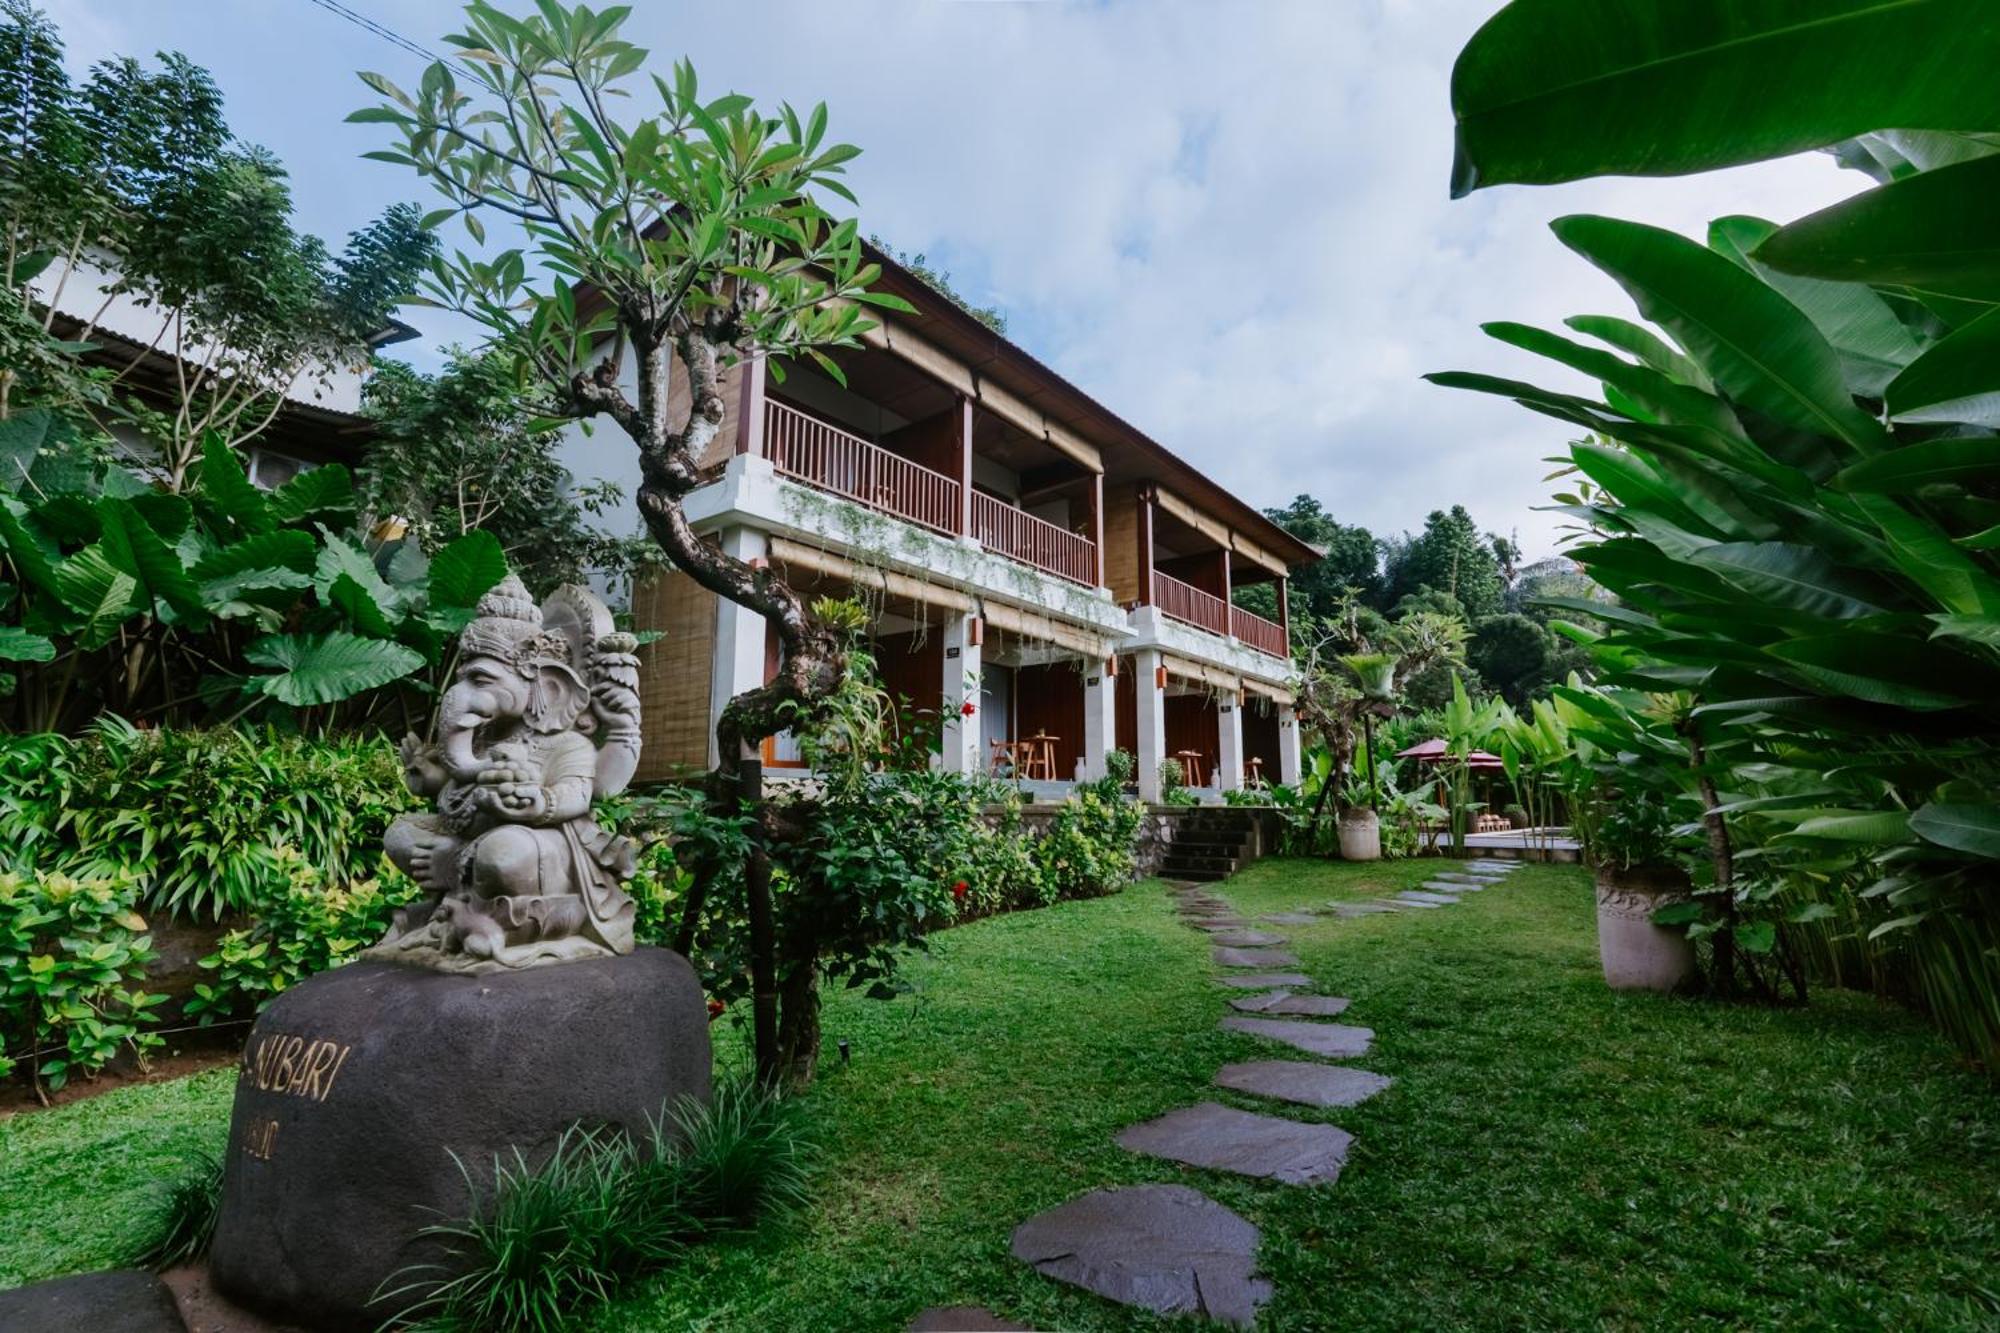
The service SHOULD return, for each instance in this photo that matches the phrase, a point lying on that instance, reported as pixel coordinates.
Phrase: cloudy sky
(1227, 219)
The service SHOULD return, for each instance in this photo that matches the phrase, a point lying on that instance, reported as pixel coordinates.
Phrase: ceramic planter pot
(1360, 836)
(1636, 954)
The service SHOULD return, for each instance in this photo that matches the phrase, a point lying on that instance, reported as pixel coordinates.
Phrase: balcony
(1266, 636)
(1001, 528)
(1190, 605)
(826, 458)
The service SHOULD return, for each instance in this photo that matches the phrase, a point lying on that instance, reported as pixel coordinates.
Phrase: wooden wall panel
(674, 675)
(1121, 543)
(912, 668)
(1191, 725)
(1204, 570)
(932, 442)
(1050, 699)
(1260, 735)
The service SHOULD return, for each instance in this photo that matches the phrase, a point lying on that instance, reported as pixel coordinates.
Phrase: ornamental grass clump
(546, 1239)
(180, 1220)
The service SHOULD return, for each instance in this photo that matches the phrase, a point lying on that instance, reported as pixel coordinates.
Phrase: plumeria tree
(645, 226)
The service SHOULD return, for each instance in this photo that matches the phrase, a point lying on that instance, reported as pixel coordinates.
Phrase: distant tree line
(1450, 568)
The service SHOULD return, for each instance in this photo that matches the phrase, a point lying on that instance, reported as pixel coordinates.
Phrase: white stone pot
(1360, 836)
(1636, 954)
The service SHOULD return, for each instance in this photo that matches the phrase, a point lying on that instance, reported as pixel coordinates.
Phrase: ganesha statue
(541, 718)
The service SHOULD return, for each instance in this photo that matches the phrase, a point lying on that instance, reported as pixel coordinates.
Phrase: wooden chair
(1005, 761)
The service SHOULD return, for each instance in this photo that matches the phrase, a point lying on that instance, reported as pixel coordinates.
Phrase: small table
(1039, 756)
(1191, 767)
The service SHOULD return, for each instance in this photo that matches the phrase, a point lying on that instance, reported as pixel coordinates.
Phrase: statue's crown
(508, 625)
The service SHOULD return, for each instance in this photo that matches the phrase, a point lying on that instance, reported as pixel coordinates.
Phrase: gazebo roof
(1435, 751)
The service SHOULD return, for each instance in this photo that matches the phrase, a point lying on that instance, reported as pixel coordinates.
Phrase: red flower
(959, 890)
(715, 1008)
(968, 708)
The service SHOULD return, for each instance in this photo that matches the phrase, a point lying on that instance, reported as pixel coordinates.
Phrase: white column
(1100, 719)
(1229, 744)
(1147, 669)
(1288, 745)
(738, 664)
(960, 686)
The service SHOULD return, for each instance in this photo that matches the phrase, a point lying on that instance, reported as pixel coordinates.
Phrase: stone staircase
(1211, 843)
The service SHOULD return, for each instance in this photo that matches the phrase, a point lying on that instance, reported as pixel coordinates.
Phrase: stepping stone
(1247, 939)
(1434, 899)
(1466, 878)
(1347, 911)
(1290, 918)
(1260, 980)
(1335, 1040)
(1453, 886)
(1223, 1138)
(1220, 923)
(1164, 1248)
(1306, 1084)
(1284, 1002)
(1404, 900)
(963, 1319)
(1233, 957)
(122, 1300)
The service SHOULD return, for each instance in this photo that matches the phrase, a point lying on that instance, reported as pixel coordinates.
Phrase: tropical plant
(1792, 490)
(200, 823)
(549, 1239)
(73, 957)
(180, 1222)
(696, 230)
(465, 450)
(223, 602)
(1467, 727)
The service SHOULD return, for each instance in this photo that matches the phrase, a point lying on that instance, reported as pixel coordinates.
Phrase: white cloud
(1230, 222)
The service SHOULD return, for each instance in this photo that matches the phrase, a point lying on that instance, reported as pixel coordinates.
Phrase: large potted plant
(1360, 825)
(1631, 848)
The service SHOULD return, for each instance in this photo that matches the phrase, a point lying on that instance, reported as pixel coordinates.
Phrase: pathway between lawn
(1170, 1248)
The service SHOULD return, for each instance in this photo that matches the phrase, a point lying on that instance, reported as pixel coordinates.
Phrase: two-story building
(1020, 550)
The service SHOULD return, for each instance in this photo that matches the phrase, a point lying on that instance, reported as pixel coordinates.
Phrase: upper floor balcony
(894, 444)
(1204, 610)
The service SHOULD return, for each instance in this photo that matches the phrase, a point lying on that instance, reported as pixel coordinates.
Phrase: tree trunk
(1721, 856)
(798, 1030)
(757, 895)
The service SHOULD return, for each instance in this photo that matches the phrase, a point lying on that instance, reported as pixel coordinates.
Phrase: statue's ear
(555, 698)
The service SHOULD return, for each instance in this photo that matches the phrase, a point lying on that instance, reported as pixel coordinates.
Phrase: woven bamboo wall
(674, 674)
(1121, 543)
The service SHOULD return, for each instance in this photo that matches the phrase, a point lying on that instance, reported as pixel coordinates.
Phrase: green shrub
(72, 955)
(197, 819)
(1173, 784)
(1087, 849)
(180, 1221)
(545, 1241)
(309, 928)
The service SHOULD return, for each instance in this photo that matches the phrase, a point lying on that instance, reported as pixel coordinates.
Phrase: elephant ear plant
(1789, 480)
(696, 225)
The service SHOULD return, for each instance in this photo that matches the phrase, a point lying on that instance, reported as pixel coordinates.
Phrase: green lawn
(1551, 1155)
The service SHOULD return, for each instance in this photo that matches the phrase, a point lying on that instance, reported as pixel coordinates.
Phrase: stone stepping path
(1348, 911)
(1222, 1138)
(1290, 918)
(1337, 1041)
(1227, 957)
(963, 1319)
(1247, 939)
(1219, 923)
(1462, 884)
(1284, 1002)
(1265, 980)
(1400, 901)
(1434, 899)
(1164, 1248)
(1306, 1084)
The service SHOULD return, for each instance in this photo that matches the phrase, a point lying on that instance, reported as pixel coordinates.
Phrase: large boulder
(123, 1301)
(364, 1089)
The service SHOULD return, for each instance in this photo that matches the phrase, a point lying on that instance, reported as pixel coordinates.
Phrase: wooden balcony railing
(1266, 636)
(829, 459)
(1001, 528)
(1184, 601)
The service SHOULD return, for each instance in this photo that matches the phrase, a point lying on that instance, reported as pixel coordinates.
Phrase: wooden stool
(1190, 767)
(1041, 756)
(1003, 758)
(1253, 771)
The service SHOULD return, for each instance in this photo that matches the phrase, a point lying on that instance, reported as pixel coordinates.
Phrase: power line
(370, 25)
